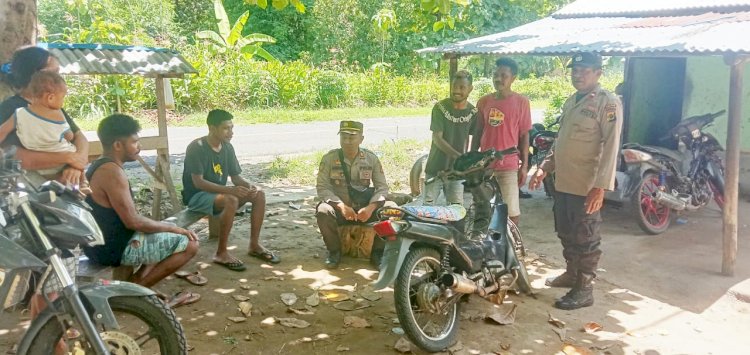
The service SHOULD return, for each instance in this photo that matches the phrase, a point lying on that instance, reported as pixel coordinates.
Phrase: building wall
(707, 90)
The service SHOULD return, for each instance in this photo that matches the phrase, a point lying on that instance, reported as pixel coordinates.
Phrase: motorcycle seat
(452, 213)
(672, 154)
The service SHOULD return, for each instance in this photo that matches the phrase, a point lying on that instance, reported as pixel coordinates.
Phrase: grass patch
(397, 158)
(254, 116)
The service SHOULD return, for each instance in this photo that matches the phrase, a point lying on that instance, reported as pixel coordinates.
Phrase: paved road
(263, 141)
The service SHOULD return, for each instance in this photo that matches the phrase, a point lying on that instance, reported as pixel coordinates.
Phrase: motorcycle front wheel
(652, 217)
(427, 324)
(522, 275)
(147, 326)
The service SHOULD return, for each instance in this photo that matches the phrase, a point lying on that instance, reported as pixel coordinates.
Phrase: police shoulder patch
(610, 111)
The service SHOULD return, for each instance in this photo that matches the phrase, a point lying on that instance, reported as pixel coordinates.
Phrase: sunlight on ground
(367, 274)
(320, 278)
(224, 290)
(232, 247)
(278, 273)
(297, 221)
(266, 266)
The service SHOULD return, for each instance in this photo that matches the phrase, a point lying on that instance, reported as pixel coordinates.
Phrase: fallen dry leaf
(246, 308)
(504, 318)
(268, 322)
(269, 278)
(313, 300)
(591, 327)
(341, 348)
(561, 332)
(334, 296)
(300, 341)
(370, 295)
(556, 322)
(240, 298)
(293, 322)
(505, 347)
(403, 345)
(356, 322)
(573, 350)
(350, 305)
(237, 319)
(288, 298)
(300, 311)
(601, 347)
(245, 287)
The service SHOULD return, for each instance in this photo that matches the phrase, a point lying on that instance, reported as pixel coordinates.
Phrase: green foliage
(332, 89)
(232, 39)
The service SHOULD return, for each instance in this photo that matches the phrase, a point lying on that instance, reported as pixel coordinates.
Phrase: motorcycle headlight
(635, 156)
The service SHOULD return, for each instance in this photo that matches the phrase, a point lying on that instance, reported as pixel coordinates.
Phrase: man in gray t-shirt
(453, 121)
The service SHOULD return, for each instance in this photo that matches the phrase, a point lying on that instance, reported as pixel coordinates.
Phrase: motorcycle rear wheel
(652, 217)
(421, 267)
(163, 333)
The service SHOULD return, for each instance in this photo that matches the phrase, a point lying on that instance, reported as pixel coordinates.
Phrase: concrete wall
(707, 90)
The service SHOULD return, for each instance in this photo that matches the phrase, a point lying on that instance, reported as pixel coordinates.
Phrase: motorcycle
(656, 181)
(38, 229)
(433, 263)
(542, 139)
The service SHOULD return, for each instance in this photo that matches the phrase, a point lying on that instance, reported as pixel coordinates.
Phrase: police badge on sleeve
(610, 111)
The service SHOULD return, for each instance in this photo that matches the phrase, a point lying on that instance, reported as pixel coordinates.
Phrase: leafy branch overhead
(231, 38)
(443, 11)
(278, 4)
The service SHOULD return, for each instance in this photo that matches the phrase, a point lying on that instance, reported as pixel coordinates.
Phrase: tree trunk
(17, 28)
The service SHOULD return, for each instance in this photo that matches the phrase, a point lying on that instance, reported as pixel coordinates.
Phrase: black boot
(333, 259)
(566, 280)
(582, 295)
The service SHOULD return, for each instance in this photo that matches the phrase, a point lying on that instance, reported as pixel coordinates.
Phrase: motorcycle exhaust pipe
(461, 284)
(670, 201)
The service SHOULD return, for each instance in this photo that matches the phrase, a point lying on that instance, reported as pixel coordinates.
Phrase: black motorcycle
(434, 263)
(38, 230)
(657, 180)
(542, 139)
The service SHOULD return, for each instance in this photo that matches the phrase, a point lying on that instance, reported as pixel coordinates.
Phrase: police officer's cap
(586, 59)
(350, 127)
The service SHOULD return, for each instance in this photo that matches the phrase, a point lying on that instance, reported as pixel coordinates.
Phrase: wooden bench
(89, 271)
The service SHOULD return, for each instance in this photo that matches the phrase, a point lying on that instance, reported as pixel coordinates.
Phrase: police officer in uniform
(338, 204)
(584, 161)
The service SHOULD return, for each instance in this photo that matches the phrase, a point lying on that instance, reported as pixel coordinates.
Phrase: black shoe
(582, 295)
(524, 194)
(333, 260)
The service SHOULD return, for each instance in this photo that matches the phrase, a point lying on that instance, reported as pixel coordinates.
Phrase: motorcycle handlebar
(492, 154)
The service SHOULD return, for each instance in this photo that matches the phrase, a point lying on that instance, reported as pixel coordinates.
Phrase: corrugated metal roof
(84, 59)
(627, 8)
(709, 33)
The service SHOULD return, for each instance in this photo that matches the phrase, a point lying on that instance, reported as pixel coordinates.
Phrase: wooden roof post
(452, 69)
(731, 185)
(162, 154)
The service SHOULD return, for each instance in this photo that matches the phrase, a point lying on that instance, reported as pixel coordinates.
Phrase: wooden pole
(452, 71)
(731, 189)
(162, 154)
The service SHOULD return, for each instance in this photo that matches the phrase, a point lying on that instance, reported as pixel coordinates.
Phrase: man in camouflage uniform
(337, 204)
(584, 160)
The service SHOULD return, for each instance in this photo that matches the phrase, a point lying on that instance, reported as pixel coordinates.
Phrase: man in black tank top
(130, 239)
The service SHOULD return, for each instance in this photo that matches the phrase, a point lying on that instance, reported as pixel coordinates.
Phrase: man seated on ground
(209, 162)
(343, 186)
(132, 240)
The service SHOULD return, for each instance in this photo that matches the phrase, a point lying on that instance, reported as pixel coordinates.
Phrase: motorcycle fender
(95, 295)
(98, 295)
(393, 257)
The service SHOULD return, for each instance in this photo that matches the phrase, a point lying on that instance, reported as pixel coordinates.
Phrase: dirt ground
(654, 295)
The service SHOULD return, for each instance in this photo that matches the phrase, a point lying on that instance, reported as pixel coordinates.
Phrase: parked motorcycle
(656, 181)
(542, 139)
(38, 228)
(434, 263)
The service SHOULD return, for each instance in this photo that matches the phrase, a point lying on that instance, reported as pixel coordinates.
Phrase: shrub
(332, 89)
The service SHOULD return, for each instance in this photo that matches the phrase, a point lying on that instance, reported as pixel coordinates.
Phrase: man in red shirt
(504, 122)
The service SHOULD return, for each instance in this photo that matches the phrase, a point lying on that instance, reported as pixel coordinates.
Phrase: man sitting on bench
(209, 162)
(131, 239)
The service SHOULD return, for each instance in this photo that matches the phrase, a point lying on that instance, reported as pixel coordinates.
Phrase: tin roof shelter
(642, 28)
(157, 63)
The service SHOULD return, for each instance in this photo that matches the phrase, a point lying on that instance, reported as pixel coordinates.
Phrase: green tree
(232, 39)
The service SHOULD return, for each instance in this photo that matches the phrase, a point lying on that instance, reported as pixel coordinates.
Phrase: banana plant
(232, 40)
